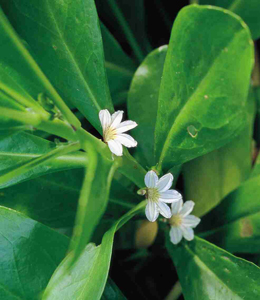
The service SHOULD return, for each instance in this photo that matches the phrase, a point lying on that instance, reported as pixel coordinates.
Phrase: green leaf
(208, 272)
(89, 274)
(201, 107)
(22, 148)
(21, 78)
(220, 171)
(127, 20)
(93, 199)
(70, 49)
(30, 252)
(234, 224)
(248, 10)
(120, 68)
(142, 103)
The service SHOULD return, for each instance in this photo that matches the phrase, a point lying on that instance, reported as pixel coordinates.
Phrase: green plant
(61, 75)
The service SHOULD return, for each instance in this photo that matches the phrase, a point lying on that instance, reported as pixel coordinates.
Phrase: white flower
(158, 193)
(182, 222)
(113, 130)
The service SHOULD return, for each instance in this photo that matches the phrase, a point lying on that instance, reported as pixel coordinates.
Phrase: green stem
(175, 293)
(61, 150)
(127, 31)
(38, 72)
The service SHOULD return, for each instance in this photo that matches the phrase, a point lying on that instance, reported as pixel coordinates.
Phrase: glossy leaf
(70, 50)
(30, 252)
(208, 272)
(120, 68)
(201, 107)
(248, 10)
(21, 148)
(90, 280)
(142, 103)
(220, 171)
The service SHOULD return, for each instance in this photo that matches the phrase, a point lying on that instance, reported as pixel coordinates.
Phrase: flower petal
(187, 208)
(170, 196)
(176, 206)
(115, 147)
(150, 179)
(165, 182)
(151, 211)
(190, 221)
(105, 118)
(187, 232)
(175, 235)
(125, 126)
(116, 118)
(164, 210)
(126, 140)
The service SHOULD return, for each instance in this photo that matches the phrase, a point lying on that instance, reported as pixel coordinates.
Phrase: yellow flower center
(175, 220)
(153, 194)
(109, 134)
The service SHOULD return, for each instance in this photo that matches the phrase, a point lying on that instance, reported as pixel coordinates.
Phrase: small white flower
(182, 222)
(158, 193)
(113, 130)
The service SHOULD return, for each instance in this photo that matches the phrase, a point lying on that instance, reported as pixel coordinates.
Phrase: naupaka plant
(69, 94)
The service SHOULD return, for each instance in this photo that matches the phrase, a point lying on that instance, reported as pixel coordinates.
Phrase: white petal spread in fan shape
(182, 223)
(158, 193)
(113, 131)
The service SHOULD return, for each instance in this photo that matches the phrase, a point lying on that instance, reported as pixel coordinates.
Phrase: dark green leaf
(112, 292)
(142, 103)
(120, 68)
(70, 49)
(208, 272)
(248, 10)
(30, 252)
(205, 83)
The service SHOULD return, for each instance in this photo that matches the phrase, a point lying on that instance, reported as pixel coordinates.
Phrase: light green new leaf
(70, 50)
(209, 178)
(120, 68)
(30, 252)
(22, 148)
(208, 272)
(248, 10)
(205, 83)
(142, 103)
(87, 277)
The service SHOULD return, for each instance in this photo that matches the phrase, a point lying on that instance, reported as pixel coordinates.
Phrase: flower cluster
(157, 191)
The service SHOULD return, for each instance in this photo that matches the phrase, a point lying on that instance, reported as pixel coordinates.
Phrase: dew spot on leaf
(193, 132)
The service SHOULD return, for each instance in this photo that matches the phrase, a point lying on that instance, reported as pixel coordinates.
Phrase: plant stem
(175, 292)
(61, 150)
(127, 31)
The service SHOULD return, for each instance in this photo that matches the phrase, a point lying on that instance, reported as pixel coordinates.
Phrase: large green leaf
(21, 148)
(86, 282)
(208, 272)
(120, 68)
(205, 83)
(20, 76)
(30, 252)
(248, 10)
(70, 50)
(209, 178)
(142, 103)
